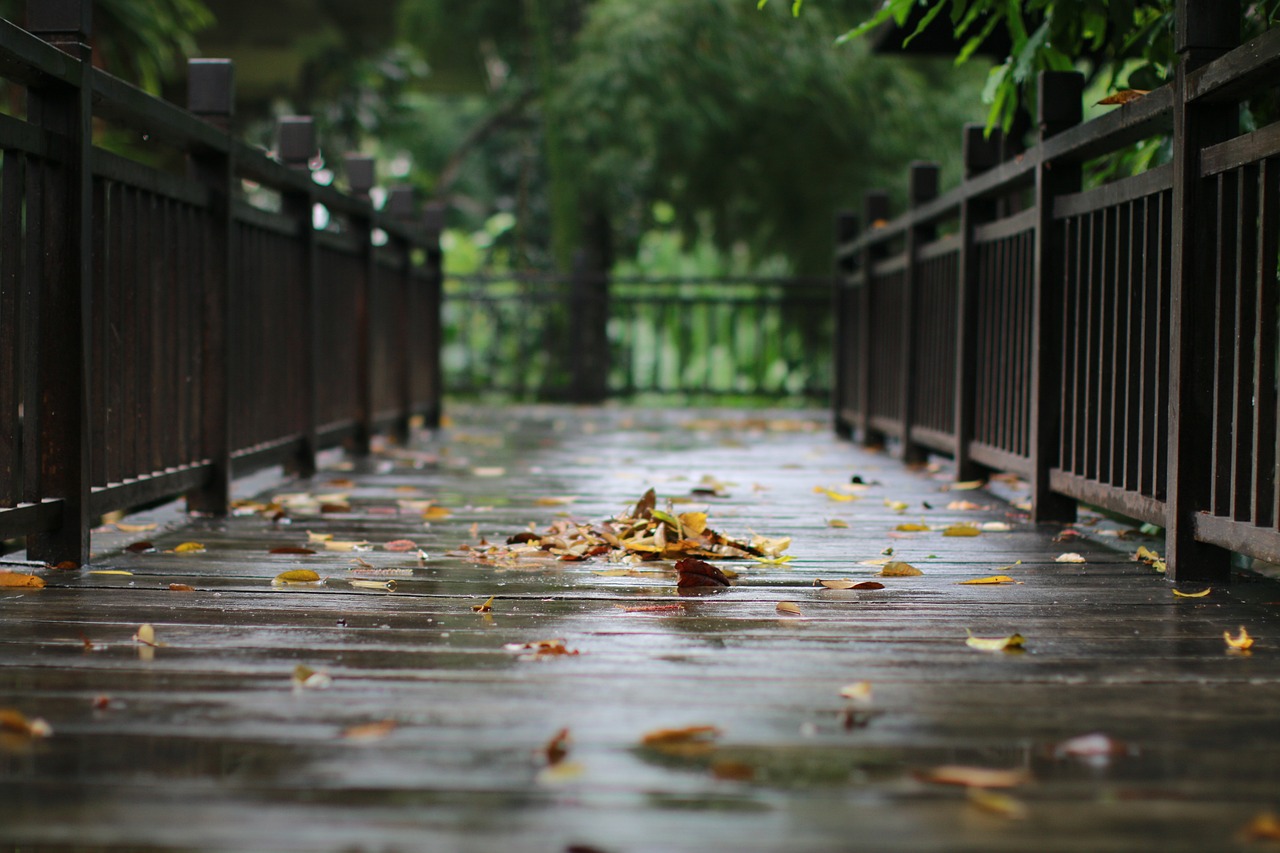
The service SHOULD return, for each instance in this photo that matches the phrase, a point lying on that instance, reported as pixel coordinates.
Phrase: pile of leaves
(641, 533)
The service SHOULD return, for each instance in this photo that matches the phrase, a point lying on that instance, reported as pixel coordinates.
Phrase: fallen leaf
(858, 693)
(306, 678)
(992, 579)
(1201, 594)
(296, 576)
(771, 547)
(964, 506)
(961, 530)
(384, 586)
(697, 573)
(189, 548)
(491, 471)
(1241, 641)
(1070, 557)
(730, 770)
(317, 538)
(335, 545)
(837, 522)
(15, 722)
(774, 561)
(687, 734)
(896, 506)
(541, 649)
(966, 485)
(845, 583)
(560, 500)
(134, 528)
(400, 545)
(788, 607)
(181, 587)
(832, 494)
(1001, 805)
(912, 528)
(18, 579)
(976, 777)
(365, 732)
(995, 644)
(1124, 96)
(146, 635)
(110, 572)
(557, 748)
(292, 549)
(486, 607)
(436, 513)
(1095, 748)
(996, 526)
(899, 569)
(1265, 826)
(141, 547)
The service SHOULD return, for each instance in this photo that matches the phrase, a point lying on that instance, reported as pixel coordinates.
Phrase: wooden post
(211, 96)
(1205, 29)
(922, 187)
(400, 206)
(1060, 107)
(296, 146)
(61, 299)
(981, 152)
(360, 180)
(432, 325)
(875, 213)
(842, 304)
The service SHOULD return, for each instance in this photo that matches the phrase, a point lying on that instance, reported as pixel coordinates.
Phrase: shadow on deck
(205, 743)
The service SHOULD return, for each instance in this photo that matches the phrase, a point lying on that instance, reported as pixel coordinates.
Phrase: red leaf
(695, 573)
(290, 549)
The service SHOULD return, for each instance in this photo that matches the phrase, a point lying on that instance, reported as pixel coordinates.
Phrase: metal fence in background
(582, 338)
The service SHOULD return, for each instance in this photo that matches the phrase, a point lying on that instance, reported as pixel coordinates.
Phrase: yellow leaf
(332, 545)
(560, 772)
(110, 572)
(995, 644)
(996, 526)
(1265, 826)
(306, 678)
(493, 471)
(1071, 557)
(837, 522)
(771, 547)
(18, 579)
(296, 576)
(859, 692)
(896, 506)
(1001, 805)
(146, 635)
(991, 579)
(1201, 594)
(912, 528)
(838, 497)
(318, 537)
(134, 528)
(693, 522)
(435, 513)
(189, 548)
(774, 561)
(561, 500)
(369, 731)
(878, 561)
(966, 485)
(961, 530)
(486, 607)
(788, 607)
(14, 722)
(976, 777)
(1146, 555)
(898, 569)
(1241, 641)
(389, 586)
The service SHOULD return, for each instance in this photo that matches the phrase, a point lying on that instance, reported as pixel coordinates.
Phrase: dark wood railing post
(981, 152)
(360, 180)
(588, 350)
(846, 314)
(922, 187)
(875, 213)
(296, 146)
(58, 426)
(1204, 30)
(211, 96)
(432, 325)
(1060, 107)
(401, 208)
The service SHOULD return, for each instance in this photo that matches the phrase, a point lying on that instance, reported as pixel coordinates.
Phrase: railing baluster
(1265, 346)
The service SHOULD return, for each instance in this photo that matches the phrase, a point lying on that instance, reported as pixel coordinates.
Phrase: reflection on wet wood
(430, 729)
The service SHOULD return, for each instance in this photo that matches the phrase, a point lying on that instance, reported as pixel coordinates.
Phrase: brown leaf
(15, 722)
(991, 579)
(436, 513)
(134, 528)
(687, 734)
(18, 579)
(181, 587)
(1265, 826)
(845, 583)
(557, 748)
(142, 547)
(696, 573)
(297, 576)
(1001, 805)
(401, 545)
(366, 732)
(1124, 96)
(976, 777)
(898, 569)
(290, 549)
(790, 608)
(731, 770)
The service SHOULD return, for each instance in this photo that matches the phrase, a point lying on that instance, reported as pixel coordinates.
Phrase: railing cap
(295, 140)
(360, 173)
(400, 202)
(211, 87)
(60, 17)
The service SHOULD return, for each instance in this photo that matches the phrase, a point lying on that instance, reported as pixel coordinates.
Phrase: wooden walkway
(434, 736)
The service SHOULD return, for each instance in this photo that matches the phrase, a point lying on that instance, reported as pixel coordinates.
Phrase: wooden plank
(1107, 496)
(1241, 150)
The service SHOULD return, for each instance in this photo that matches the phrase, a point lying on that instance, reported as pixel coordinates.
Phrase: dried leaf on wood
(899, 569)
(541, 649)
(110, 572)
(336, 545)
(14, 722)
(1071, 557)
(976, 777)
(1001, 805)
(436, 513)
(1265, 826)
(316, 538)
(789, 608)
(698, 573)
(992, 579)
(688, 734)
(365, 732)
(910, 527)
(1124, 96)
(296, 576)
(383, 586)
(486, 607)
(557, 748)
(19, 579)
(401, 545)
(961, 530)
(146, 635)
(555, 500)
(189, 548)
(142, 547)
(837, 522)
(1240, 641)
(292, 549)
(134, 528)
(858, 693)
(995, 644)
(306, 678)
(181, 587)
(966, 485)
(846, 583)
(1201, 594)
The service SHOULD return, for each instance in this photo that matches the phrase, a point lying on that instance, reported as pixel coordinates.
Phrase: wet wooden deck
(205, 744)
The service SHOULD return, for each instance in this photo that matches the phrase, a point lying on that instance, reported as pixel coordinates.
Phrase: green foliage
(1127, 42)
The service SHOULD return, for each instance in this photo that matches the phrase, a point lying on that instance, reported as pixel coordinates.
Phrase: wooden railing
(163, 330)
(1116, 345)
